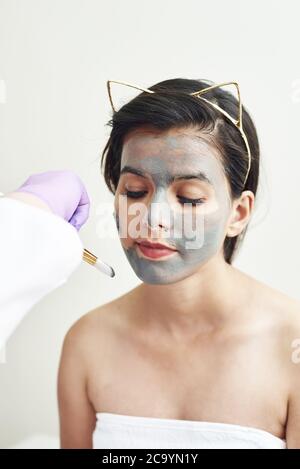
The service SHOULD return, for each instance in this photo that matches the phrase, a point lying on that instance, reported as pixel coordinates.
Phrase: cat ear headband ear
(237, 123)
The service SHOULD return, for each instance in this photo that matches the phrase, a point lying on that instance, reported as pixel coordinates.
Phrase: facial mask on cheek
(193, 248)
(173, 156)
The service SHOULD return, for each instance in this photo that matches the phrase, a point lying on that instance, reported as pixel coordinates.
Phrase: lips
(155, 245)
(154, 250)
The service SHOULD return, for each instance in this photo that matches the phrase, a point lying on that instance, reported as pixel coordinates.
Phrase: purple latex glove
(64, 193)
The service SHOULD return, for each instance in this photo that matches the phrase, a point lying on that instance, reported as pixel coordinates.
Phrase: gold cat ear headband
(237, 123)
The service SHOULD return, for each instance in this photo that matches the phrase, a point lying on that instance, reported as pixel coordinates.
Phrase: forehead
(173, 151)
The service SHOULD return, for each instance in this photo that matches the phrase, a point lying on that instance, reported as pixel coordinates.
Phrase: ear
(242, 209)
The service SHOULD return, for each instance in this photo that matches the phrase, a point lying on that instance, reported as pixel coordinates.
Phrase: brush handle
(93, 260)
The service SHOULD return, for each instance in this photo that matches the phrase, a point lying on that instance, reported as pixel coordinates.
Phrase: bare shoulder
(276, 314)
(282, 313)
(284, 309)
(102, 323)
(278, 306)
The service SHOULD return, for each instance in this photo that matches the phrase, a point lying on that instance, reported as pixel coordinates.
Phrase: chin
(160, 279)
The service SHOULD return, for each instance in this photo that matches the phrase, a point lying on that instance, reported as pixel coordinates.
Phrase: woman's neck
(204, 302)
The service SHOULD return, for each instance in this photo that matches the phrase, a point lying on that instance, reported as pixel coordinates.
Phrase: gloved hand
(63, 191)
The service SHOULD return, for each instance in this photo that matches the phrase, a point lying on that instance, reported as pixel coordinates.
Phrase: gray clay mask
(196, 235)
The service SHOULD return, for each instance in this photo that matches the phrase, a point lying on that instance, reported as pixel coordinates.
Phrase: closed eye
(134, 194)
(182, 200)
(185, 200)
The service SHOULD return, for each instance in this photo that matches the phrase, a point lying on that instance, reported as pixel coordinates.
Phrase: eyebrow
(171, 178)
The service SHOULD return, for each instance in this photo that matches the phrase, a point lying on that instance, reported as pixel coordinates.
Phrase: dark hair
(171, 106)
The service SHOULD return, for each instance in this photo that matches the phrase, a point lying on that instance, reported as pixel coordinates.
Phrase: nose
(159, 216)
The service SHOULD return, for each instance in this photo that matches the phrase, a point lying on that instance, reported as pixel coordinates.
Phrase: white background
(55, 58)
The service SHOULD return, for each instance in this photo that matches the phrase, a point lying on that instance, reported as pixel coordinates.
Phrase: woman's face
(172, 189)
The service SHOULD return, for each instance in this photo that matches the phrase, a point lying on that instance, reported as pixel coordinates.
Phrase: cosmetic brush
(99, 265)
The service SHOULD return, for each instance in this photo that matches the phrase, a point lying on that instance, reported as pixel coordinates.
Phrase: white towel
(125, 431)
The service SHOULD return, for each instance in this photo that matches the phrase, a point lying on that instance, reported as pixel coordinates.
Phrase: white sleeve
(38, 252)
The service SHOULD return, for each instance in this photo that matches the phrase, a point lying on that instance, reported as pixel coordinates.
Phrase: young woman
(200, 354)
